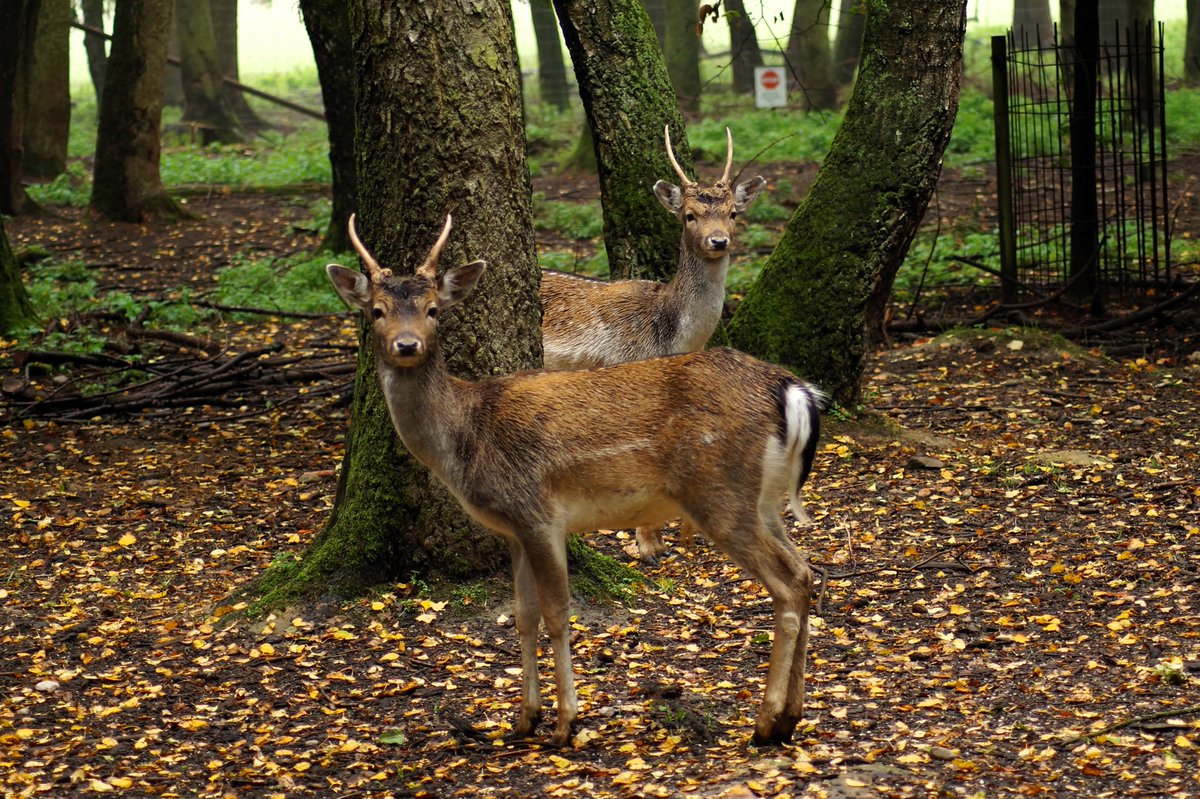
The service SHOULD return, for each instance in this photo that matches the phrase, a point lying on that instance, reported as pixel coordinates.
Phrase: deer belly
(634, 507)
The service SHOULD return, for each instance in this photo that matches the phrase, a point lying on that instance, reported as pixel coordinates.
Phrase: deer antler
(728, 156)
(374, 270)
(684, 180)
(429, 268)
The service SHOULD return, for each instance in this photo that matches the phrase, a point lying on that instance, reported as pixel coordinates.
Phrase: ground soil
(1007, 542)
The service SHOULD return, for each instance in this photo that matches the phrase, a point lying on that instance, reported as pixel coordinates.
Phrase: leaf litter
(1008, 548)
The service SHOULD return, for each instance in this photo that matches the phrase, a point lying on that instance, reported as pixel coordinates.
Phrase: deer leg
(548, 557)
(794, 709)
(650, 544)
(528, 618)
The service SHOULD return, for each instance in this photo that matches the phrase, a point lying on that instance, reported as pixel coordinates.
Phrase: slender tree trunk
(1191, 49)
(628, 98)
(583, 158)
(818, 305)
(744, 44)
(94, 44)
(682, 48)
(16, 52)
(328, 24)
(15, 309)
(225, 33)
(440, 130)
(203, 96)
(657, 10)
(126, 184)
(552, 69)
(1034, 17)
(48, 112)
(809, 57)
(847, 46)
(173, 87)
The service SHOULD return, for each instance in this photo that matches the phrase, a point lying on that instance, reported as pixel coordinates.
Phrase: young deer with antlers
(588, 322)
(715, 436)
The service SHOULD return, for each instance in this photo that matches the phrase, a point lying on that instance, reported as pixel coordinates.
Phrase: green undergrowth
(296, 284)
(599, 577)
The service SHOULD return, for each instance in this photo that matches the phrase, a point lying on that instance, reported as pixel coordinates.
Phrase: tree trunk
(328, 24)
(1034, 17)
(48, 112)
(203, 97)
(126, 184)
(627, 96)
(1191, 49)
(440, 129)
(225, 33)
(582, 159)
(682, 48)
(552, 69)
(657, 10)
(16, 53)
(173, 87)
(818, 305)
(847, 46)
(744, 45)
(15, 308)
(94, 44)
(809, 58)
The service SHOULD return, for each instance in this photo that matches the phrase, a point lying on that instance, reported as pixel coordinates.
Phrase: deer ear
(460, 281)
(669, 195)
(747, 191)
(351, 284)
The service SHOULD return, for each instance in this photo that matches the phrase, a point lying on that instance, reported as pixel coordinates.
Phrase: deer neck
(428, 409)
(696, 294)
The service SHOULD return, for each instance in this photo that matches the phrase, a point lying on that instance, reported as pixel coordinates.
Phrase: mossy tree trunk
(204, 103)
(552, 68)
(439, 129)
(94, 44)
(126, 183)
(48, 112)
(328, 24)
(818, 305)
(746, 54)
(627, 96)
(225, 32)
(15, 308)
(809, 57)
(16, 51)
(682, 48)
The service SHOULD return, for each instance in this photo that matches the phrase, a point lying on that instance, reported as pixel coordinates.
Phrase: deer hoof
(525, 726)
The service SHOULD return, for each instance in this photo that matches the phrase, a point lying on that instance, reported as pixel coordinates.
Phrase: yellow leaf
(637, 763)
(121, 782)
(853, 783)
(377, 605)
(127, 540)
(21, 503)
(561, 762)
(959, 610)
(266, 649)
(625, 778)
(100, 786)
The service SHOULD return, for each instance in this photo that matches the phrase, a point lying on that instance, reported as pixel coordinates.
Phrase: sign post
(770, 87)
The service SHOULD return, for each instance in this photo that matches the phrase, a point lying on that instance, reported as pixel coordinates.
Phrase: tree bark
(744, 45)
(225, 33)
(16, 53)
(328, 24)
(1034, 17)
(1191, 48)
(126, 183)
(48, 111)
(809, 57)
(552, 69)
(682, 48)
(818, 305)
(627, 96)
(847, 46)
(94, 44)
(203, 96)
(440, 129)
(15, 309)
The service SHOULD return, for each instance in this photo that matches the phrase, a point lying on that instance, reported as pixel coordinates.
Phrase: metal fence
(1041, 160)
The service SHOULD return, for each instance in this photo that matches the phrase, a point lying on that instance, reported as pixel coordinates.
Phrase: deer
(588, 322)
(715, 436)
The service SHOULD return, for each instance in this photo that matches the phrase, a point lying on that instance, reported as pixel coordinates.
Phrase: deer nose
(406, 347)
(718, 242)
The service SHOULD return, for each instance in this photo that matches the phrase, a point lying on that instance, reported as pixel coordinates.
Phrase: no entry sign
(770, 87)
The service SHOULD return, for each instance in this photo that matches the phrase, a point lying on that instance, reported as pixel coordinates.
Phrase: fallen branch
(1185, 711)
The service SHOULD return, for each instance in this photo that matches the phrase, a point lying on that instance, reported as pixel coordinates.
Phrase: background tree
(16, 49)
(657, 10)
(94, 44)
(126, 183)
(847, 45)
(204, 103)
(328, 25)
(809, 57)
(552, 69)
(439, 129)
(1034, 17)
(225, 34)
(47, 123)
(627, 97)
(1191, 49)
(682, 48)
(818, 305)
(15, 309)
(745, 52)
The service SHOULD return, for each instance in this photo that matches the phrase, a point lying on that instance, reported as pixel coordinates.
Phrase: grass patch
(296, 284)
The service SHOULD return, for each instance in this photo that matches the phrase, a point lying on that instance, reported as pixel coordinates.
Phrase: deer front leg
(528, 618)
(547, 556)
(650, 544)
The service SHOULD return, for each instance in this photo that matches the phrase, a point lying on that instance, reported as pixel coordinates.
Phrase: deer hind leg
(650, 544)
(528, 615)
(547, 555)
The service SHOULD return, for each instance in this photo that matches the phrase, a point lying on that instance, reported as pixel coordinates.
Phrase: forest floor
(1008, 542)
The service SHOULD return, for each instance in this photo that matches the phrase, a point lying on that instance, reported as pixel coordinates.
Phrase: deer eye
(733, 214)
(433, 311)
(377, 312)
(690, 217)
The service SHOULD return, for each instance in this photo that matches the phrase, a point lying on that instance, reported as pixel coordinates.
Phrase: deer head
(707, 212)
(403, 311)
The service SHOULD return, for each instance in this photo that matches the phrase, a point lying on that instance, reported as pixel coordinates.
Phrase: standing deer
(588, 322)
(715, 436)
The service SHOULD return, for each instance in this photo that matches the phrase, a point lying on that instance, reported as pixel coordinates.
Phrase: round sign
(770, 80)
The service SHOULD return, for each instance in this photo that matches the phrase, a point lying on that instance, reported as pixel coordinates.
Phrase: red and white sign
(770, 87)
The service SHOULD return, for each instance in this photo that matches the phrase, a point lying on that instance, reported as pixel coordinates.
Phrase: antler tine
(684, 180)
(429, 268)
(728, 156)
(374, 270)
